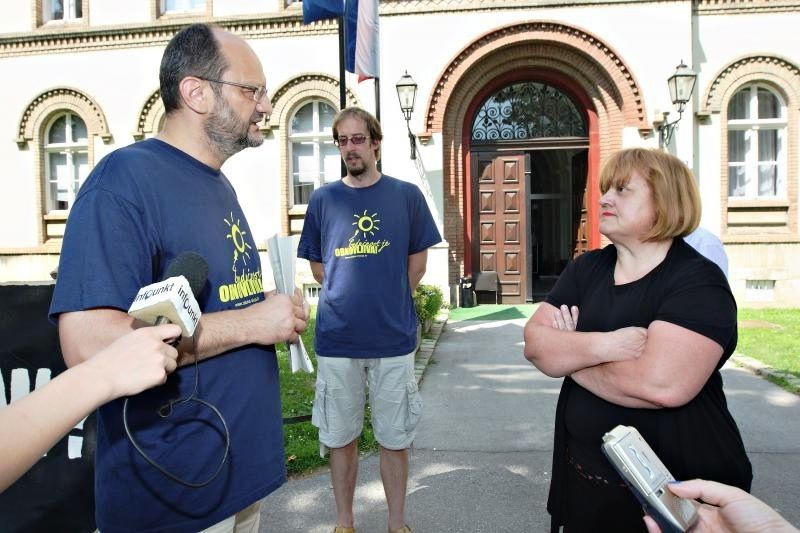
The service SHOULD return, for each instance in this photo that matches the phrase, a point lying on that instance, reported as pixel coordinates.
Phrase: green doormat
(492, 312)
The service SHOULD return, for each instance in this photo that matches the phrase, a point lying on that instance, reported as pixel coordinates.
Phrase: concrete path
(483, 449)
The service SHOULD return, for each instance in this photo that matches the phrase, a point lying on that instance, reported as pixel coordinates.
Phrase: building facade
(519, 102)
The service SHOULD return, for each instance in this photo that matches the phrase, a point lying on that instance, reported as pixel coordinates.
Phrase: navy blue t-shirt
(363, 237)
(141, 207)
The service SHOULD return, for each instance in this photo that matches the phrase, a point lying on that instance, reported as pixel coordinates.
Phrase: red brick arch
(590, 71)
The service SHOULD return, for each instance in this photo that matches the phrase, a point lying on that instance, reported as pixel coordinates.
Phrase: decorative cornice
(288, 22)
(584, 43)
(59, 99)
(46, 40)
(728, 7)
(315, 83)
(764, 67)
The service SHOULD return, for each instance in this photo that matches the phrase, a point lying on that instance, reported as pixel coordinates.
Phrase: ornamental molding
(520, 42)
(311, 85)
(150, 116)
(61, 99)
(782, 73)
(728, 7)
(68, 39)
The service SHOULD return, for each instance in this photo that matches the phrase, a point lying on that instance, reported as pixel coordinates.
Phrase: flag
(314, 10)
(362, 38)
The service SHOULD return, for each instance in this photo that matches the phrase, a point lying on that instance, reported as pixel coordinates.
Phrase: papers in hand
(281, 256)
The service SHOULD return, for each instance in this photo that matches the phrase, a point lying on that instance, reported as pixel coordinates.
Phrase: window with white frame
(757, 124)
(313, 157)
(182, 6)
(61, 10)
(66, 156)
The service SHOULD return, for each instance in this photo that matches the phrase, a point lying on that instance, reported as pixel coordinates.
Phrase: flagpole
(342, 88)
(378, 107)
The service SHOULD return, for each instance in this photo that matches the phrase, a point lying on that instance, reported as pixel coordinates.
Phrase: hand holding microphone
(137, 361)
(172, 300)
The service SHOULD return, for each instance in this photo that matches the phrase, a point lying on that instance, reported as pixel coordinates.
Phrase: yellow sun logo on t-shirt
(366, 224)
(240, 246)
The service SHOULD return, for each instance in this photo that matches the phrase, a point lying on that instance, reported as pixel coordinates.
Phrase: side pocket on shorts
(414, 405)
(318, 416)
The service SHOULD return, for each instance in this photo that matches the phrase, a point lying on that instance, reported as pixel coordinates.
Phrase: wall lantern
(407, 94)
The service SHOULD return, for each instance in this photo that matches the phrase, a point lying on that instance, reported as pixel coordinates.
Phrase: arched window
(314, 159)
(527, 110)
(757, 123)
(66, 157)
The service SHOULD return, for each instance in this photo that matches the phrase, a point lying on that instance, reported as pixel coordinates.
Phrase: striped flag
(362, 36)
(314, 10)
(362, 52)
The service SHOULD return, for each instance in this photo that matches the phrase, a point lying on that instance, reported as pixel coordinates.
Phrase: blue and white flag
(314, 10)
(362, 36)
(362, 52)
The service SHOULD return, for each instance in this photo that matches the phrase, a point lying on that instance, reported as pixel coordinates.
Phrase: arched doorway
(589, 71)
(529, 147)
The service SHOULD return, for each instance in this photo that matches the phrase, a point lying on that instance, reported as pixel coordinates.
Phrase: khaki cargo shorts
(340, 397)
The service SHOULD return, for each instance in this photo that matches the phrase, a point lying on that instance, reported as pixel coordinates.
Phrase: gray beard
(221, 131)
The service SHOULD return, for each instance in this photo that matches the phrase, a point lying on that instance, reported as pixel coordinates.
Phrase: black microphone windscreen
(193, 267)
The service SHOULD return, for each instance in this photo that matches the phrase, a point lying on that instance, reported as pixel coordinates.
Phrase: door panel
(501, 220)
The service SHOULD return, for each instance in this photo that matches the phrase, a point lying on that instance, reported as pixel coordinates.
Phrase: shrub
(428, 299)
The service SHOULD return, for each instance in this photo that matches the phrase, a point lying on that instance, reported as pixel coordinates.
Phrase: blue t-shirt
(141, 207)
(363, 237)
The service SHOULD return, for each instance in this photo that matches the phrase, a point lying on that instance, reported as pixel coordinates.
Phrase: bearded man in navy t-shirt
(142, 206)
(367, 238)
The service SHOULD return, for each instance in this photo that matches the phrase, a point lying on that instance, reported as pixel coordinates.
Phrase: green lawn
(491, 312)
(297, 397)
(771, 336)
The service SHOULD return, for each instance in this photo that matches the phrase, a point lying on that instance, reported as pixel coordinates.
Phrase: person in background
(367, 238)
(639, 331)
(33, 424)
(709, 246)
(727, 510)
(141, 207)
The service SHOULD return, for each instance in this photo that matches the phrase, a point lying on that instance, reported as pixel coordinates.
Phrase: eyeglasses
(342, 140)
(258, 91)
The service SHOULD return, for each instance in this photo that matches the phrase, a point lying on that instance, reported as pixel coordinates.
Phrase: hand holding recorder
(726, 509)
(647, 477)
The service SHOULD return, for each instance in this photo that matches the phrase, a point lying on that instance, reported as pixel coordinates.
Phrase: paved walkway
(483, 450)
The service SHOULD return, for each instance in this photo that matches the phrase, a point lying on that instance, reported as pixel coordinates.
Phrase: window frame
(70, 12)
(68, 148)
(316, 137)
(751, 127)
(163, 11)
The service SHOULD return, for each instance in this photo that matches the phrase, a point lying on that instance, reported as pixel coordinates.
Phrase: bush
(428, 299)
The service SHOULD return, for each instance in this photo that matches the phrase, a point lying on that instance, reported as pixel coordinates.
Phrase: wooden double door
(529, 217)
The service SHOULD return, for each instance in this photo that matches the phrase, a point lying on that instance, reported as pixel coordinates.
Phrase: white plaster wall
(726, 38)
(112, 12)
(27, 268)
(227, 8)
(17, 17)
(708, 172)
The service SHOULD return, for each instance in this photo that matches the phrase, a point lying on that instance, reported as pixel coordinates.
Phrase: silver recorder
(647, 477)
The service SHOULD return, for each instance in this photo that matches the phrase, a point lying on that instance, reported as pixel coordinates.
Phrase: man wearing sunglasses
(366, 238)
(142, 206)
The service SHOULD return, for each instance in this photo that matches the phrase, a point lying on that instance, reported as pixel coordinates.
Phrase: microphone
(172, 300)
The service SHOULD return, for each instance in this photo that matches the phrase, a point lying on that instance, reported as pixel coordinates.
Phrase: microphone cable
(164, 412)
